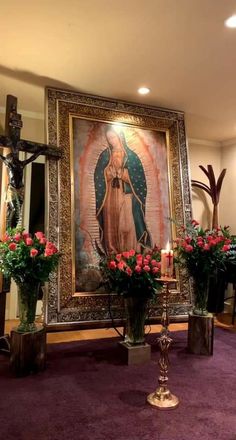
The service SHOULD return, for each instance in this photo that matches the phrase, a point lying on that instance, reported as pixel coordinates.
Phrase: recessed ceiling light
(231, 22)
(143, 90)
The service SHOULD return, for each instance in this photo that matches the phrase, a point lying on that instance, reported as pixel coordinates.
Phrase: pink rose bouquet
(131, 273)
(205, 254)
(203, 251)
(26, 258)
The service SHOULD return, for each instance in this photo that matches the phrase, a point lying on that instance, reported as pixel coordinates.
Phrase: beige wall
(33, 128)
(228, 195)
(220, 157)
(203, 154)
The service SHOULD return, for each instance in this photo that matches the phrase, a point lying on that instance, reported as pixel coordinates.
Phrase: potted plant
(134, 276)
(29, 260)
(203, 253)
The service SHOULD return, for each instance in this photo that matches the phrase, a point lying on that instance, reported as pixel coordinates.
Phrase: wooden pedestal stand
(162, 398)
(4, 339)
(201, 334)
(28, 351)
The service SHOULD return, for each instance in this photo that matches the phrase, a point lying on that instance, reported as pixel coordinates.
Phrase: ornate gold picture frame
(78, 123)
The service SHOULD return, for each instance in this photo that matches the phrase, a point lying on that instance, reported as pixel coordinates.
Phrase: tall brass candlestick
(162, 397)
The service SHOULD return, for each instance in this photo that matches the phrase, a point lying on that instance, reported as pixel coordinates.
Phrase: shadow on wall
(33, 78)
(198, 195)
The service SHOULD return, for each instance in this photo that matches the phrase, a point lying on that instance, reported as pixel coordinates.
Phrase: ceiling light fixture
(231, 22)
(143, 90)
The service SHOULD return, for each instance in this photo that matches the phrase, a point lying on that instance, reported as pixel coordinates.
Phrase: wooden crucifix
(15, 167)
(15, 190)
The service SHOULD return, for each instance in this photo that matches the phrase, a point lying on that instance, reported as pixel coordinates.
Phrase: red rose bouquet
(29, 260)
(25, 258)
(133, 274)
(203, 252)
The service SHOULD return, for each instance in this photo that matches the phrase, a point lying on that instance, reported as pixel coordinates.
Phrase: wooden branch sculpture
(213, 190)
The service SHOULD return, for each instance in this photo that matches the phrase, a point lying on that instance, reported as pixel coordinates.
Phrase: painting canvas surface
(121, 197)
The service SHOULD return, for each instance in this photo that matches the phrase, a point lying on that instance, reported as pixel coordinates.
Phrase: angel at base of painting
(121, 190)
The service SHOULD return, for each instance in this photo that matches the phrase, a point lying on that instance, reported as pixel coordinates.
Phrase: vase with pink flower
(28, 260)
(203, 252)
(134, 276)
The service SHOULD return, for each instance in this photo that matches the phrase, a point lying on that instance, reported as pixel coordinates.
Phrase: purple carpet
(87, 394)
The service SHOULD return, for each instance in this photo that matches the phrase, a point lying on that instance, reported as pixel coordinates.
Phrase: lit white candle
(163, 262)
(167, 262)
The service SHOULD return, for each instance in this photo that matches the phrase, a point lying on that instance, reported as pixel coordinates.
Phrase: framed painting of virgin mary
(124, 170)
(123, 176)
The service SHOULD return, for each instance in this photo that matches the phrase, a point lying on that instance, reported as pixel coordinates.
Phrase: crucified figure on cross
(15, 166)
(15, 189)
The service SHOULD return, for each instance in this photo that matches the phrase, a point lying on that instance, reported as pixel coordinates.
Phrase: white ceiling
(178, 48)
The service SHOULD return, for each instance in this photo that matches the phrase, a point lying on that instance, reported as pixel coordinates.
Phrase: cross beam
(11, 139)
(31, 147)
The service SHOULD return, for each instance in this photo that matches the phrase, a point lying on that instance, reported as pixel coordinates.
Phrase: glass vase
(136, 309)
(201, 289)
(27, 301)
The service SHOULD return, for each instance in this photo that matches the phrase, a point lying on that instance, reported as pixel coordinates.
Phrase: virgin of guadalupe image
(121, 190)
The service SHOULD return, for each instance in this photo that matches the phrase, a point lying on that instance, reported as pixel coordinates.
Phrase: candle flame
(168, 246)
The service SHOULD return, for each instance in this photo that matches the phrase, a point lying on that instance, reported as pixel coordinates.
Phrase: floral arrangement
(131, 273)
(203, 251)
(205, 254)
(27, 258)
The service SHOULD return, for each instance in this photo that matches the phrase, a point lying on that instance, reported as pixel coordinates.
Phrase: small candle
(167, 262)
(163, 262)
